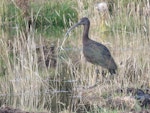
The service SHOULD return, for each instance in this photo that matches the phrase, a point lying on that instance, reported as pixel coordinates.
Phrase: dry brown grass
(27, 86)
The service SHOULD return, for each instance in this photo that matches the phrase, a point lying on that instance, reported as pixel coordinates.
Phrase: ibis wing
(97, 53)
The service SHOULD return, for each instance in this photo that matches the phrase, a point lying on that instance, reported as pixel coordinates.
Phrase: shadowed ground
(12, 110)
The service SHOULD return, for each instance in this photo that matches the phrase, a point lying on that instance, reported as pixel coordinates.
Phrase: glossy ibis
(94, 52)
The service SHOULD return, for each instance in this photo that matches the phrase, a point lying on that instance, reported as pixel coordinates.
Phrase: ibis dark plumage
(94, 52)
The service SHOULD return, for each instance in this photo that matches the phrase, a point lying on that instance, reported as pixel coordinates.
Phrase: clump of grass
(11, 18)
(49, 18)
(128, 16)
(53, 17)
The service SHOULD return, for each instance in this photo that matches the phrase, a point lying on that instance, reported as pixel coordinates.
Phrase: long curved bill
(70, 29)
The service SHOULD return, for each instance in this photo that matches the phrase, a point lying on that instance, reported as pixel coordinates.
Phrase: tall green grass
(49, 18)
(54, 17)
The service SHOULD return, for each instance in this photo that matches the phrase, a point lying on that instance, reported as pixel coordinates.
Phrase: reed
(27, 83)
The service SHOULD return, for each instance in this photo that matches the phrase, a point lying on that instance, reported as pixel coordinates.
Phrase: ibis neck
(86, 33)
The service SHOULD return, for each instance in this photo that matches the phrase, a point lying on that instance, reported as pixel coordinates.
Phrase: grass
(50, 18)
(26, 85)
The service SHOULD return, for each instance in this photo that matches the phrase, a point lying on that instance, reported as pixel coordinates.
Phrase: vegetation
(50, 18)
(37, 75)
